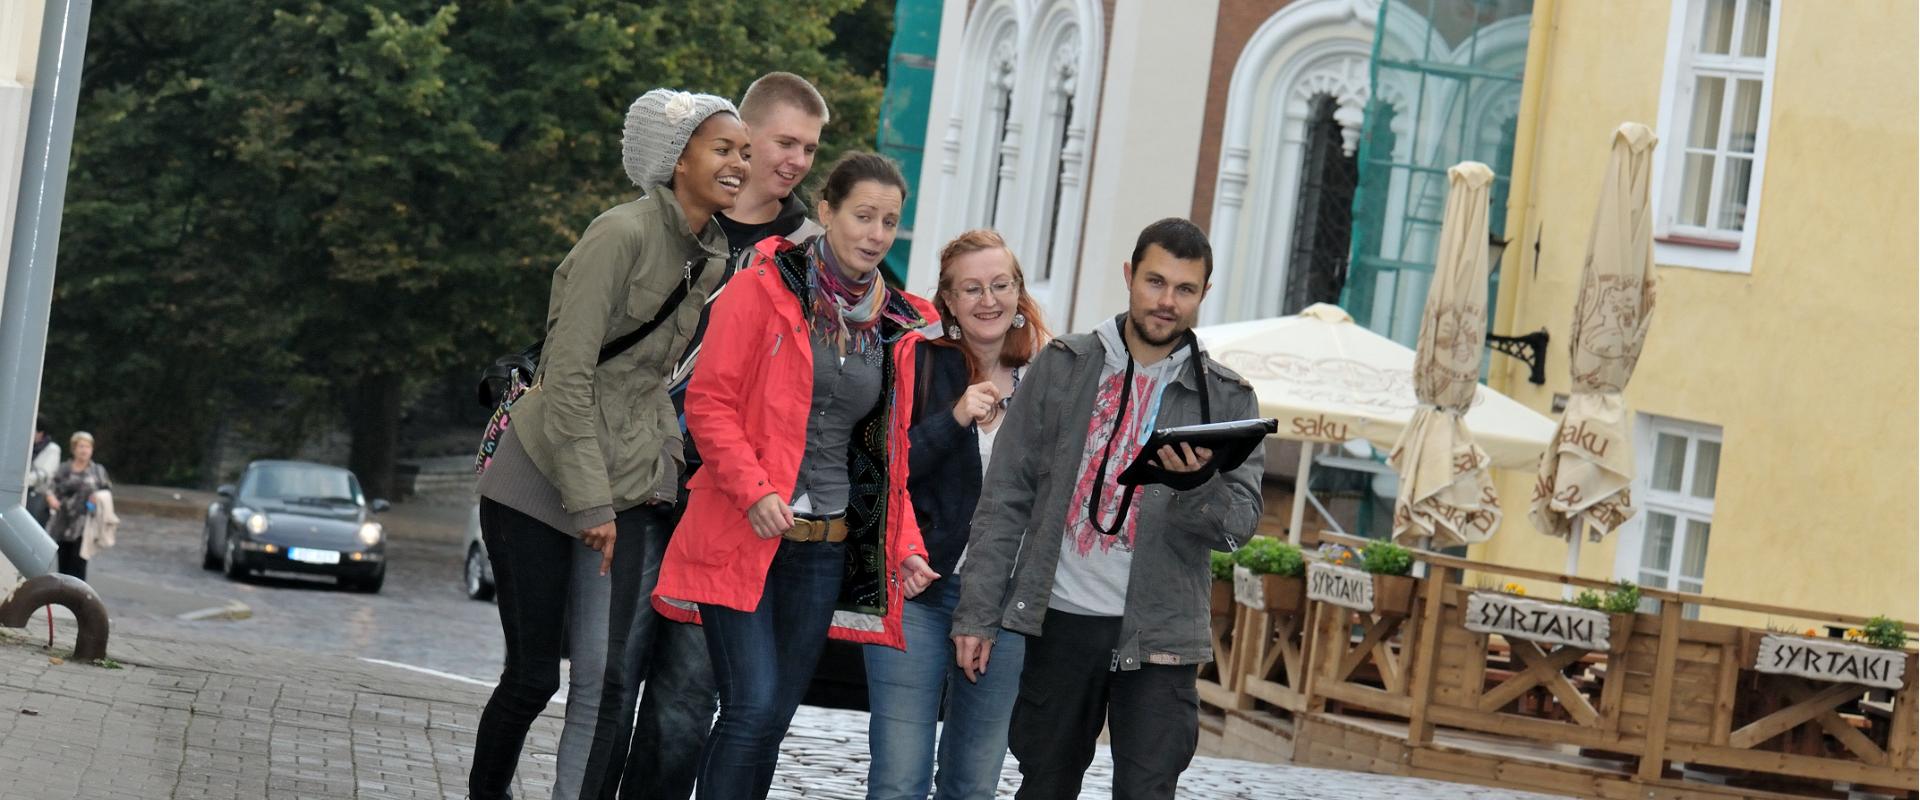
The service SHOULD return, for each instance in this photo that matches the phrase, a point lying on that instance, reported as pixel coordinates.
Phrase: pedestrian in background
(1112, 597)
(40, 468)
(72, 501)
(589, 466)
(804, 440)
(784, 115)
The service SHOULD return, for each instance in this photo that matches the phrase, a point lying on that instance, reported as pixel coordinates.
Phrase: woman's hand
(770, 517)
(916, 575)
(53, 501)
(600, 537)
(976, 404)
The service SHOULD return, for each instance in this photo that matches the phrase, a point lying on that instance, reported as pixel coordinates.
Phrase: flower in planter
(1623, 598)
(1810, 632)
(1514, 589)
(1222, 566)
(1265, 555)
(1884, 632)
(1386, 558)
(1338, 555)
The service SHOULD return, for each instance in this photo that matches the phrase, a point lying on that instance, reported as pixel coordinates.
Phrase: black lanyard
(1120, 418)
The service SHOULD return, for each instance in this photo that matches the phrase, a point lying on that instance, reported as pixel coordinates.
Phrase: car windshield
(298, 484)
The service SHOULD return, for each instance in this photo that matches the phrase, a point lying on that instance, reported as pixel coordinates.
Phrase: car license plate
(310, 556)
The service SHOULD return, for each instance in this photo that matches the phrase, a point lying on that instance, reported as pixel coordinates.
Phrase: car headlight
(257, 523)
(370, 534)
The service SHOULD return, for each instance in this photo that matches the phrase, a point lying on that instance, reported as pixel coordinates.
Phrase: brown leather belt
(817, 530)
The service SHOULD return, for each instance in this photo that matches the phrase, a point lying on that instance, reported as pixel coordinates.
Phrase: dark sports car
(294, 516)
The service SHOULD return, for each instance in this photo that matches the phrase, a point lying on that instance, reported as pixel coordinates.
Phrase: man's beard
(1133, 321)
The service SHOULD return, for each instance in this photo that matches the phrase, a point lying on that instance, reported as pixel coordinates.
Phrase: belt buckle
(806, 530)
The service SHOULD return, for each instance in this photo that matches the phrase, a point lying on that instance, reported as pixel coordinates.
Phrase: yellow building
(1775, 401)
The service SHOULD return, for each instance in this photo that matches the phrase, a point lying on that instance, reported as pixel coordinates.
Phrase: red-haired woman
(966, 373)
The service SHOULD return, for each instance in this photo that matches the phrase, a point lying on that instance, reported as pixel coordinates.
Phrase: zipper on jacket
(777, 339)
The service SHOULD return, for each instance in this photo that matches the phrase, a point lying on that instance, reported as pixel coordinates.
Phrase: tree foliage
(286, 214)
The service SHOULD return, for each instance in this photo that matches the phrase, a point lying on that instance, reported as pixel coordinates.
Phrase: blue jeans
(762, 663)
(905, 690)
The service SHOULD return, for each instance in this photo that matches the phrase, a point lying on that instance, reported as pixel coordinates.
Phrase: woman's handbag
(510, 376)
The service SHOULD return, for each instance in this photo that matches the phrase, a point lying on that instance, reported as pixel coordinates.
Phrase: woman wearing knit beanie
(590, 463)
(797, 526)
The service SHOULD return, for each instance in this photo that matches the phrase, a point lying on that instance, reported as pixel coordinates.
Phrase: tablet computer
(1231, 443)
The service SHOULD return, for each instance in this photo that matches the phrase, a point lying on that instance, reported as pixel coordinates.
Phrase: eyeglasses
(977, 292)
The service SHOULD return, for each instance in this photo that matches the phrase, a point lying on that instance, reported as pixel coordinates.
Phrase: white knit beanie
(659, 124)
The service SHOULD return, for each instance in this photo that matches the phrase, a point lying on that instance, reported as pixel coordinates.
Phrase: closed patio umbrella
(1586, 476)
(1446, 492)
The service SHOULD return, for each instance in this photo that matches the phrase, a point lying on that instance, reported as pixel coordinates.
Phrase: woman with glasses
(967, 371)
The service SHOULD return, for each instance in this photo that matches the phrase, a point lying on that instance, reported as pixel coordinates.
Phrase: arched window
(1323, 214)
(1016, 144)
(1282, 201)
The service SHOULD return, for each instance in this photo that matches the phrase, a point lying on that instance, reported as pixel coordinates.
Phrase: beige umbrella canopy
(1586, 474)
(1446, 492)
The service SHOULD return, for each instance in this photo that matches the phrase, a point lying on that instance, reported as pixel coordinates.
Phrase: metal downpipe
(29, 285)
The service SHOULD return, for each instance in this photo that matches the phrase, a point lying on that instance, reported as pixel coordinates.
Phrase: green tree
(292, 212)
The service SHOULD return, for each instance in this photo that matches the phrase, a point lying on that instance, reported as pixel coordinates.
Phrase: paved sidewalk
(206, 720)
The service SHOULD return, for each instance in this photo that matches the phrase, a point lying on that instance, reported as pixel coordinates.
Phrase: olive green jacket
(605, 434)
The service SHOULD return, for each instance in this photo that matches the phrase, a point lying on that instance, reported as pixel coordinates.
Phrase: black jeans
(69, 560)
(1068, 690)
(553, 599)
(678, 698)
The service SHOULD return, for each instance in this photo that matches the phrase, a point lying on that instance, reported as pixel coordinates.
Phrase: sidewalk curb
(233, 610)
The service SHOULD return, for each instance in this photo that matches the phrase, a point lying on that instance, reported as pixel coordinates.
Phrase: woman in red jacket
(787, 534)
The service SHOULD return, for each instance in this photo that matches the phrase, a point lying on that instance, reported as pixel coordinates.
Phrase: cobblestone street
(186, 720)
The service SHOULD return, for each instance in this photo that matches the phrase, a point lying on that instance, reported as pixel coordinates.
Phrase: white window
(1714, 110)
(1666, 546)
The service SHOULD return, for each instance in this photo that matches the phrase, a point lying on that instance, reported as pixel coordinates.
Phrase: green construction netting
(905, 108)
(1446, 78)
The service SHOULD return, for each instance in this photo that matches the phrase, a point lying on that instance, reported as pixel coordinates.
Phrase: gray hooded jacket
(1014, 546)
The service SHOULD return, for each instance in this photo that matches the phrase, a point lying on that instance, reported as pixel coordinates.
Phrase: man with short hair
(784, 115)
(1110, 583)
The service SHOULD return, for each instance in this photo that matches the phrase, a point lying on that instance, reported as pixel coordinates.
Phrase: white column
(1146, 147)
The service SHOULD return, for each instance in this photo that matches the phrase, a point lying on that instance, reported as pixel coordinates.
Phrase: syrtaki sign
(1555, 623)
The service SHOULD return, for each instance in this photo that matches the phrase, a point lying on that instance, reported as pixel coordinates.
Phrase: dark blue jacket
(943, 463)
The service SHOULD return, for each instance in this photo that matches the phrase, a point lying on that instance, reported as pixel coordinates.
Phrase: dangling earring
(1019, 320)
(954, 333)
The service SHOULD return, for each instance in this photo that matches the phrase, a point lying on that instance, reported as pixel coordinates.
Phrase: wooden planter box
(1221, 602)
(1393, 594)
(1267, 592)
(1284, 593)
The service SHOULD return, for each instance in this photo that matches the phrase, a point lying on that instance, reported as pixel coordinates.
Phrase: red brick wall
(1238, 21)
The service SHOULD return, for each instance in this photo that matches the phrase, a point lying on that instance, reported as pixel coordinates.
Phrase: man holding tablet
(1109, 581)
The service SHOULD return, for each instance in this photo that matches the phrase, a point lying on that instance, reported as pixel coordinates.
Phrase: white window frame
(1680, 505)
(1688, 246)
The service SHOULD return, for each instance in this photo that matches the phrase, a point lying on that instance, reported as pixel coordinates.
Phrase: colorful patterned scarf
(845, 311)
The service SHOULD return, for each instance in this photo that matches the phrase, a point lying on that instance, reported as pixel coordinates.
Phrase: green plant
(108, 663)
(1884, 632)
(1266, 555)
(1222, 565)
(1623, 598)
(1386, 558)
(1589, 599)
